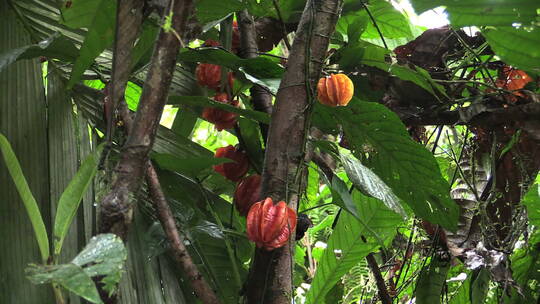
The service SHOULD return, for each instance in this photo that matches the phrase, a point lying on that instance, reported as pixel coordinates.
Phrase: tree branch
(116, 207)
(487, 117)
(261, 98)
(181, 255)
(381, 284)
(270, 277)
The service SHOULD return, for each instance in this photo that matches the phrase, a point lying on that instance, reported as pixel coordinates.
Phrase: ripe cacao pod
(335, 90)
(269, 225)
(220, 118)
(247, 193)
(209, 75)
(232, 170)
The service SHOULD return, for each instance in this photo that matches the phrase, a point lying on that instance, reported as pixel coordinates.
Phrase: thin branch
(379, 280)
(261, 98)
(374, 23)
(180, 253)
(116, 207)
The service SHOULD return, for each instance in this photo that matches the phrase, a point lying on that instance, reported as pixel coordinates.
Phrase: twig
(379, 280)
(115, 212)
(180, 253)
(374, 24)
(283, 27)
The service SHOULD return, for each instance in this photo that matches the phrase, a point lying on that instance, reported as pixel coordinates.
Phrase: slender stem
(374, 23)
(230, 251)
(381, 284)
(58, 294)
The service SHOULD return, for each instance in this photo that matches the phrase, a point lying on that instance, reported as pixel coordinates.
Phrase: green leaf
(69, 276)
(374, 131)
(252, 139)
(484, 12)
(206, 102)
(71, 198)
(391, 22)
(479, 286)
(532, 202)
(56, 46)
(211, 10)
(342, 197)
(80, 13)
(350, 242)
(517, 47)
(28, 199)
(259, 70)
(370, 184)
(104, 255)
(429, 286)
(100, 35)
(192, 167)
(142, 51)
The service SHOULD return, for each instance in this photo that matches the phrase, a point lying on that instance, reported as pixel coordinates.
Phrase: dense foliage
(423, 187)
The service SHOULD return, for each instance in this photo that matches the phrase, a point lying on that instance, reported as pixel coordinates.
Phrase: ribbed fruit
(247, 193)
(232, 170)
(335, 90)
(269, 225)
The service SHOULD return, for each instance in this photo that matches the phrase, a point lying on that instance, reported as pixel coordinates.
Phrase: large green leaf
(28, 199)
(69, 276)
(350, 242)
(56, 46)
(391, 22)
(376, 132)
(71, 198)
(532, 202)
(192, 167)
(99, 36)
(210, 10)
(479, 286)
(206, 102)
(365, 180)
(484, 12)
(516, 46)
(103, 256)
(430, 283)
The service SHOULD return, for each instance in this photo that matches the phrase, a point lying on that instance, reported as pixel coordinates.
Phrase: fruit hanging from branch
(220, 118)
(269, 225)
(235, 170)
(335, 90)
(247, 193)
(209, 75)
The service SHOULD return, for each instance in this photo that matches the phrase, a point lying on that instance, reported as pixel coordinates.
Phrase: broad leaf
(192, 167)
(69, 276)
(532, 202)
(206, 102)
(365, 180)
(210, 10)
(350, 242)
(56, 46)
(391, 22)
(430, 283)
(378, 133)
(517, 47)
(104, 256)
(28, 199)
(99, 36)
(71, 198)
(479, 286)
(484, 12)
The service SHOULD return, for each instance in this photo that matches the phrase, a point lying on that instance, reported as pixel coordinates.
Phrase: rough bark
(116, 207)
(260, 97)
(270, 277)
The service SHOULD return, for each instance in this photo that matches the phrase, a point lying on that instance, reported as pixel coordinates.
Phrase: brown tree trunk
(271, 273)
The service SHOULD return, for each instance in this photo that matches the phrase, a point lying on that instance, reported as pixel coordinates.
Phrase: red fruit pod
(209, 75)
(232, 170)
(247, 193)
(211, 43)
(220, 118)
(270, 226)
(235, 41)
(335, 90)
